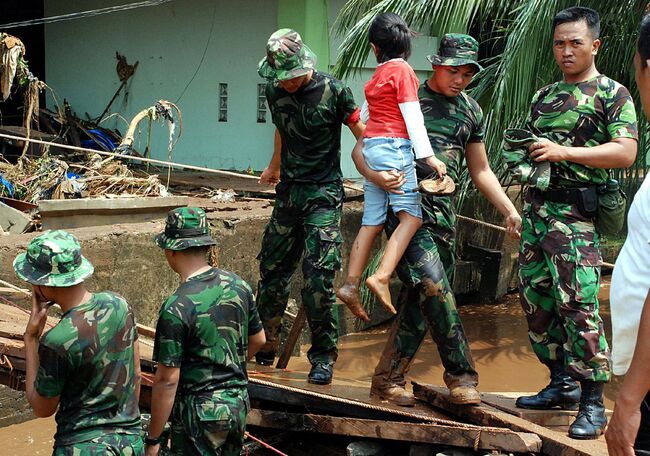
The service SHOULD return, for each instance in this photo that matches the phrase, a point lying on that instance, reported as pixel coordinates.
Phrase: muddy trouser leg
(559, 281)
(322, 260)
(282, 246)
(429, 304)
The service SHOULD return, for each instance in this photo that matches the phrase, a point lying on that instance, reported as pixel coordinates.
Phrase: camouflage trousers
(306, 222)
(108, 444)
(427, 302)
(209, 424)
(559, 278)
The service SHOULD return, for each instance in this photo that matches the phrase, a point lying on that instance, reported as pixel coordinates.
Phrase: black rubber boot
(563, 392)
(264, 358)
(591, 419)
(321, 374)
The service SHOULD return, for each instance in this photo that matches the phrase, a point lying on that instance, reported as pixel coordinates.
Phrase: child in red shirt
(395, 127)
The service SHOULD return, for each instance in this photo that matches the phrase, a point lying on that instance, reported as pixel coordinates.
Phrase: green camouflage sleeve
(254, 322)
(171, 333)
(621, 115)
(478, 132)
(51, 374)
(346, 106)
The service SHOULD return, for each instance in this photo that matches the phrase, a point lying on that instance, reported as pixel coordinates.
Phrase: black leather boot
(320, 374)
(264, 358)
(591, 419)
(563, 392)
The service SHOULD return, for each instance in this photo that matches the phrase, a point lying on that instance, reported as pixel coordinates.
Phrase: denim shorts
(385, 154)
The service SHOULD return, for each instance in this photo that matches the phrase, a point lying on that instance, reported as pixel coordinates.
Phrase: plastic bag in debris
(224, 196)
(73, 185)
(6, 187)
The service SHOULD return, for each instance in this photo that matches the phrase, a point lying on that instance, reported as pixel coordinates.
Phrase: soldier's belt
(586, 198)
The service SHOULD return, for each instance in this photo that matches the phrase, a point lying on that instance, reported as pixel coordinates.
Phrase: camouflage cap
(456, 49)
(186, 227)
(53, 259)
(287, 57)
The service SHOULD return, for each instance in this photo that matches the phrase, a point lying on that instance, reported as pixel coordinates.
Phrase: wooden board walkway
(554, 443)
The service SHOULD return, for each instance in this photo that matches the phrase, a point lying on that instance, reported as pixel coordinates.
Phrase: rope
(378, 408)
(264, 444)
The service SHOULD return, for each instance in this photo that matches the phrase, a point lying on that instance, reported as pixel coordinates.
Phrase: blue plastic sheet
(8, 187)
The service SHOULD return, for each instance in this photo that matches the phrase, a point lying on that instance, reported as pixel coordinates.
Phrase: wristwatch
(152, 440)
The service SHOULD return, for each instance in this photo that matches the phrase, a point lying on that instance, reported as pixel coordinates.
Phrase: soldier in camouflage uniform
(205, 333)
(308, 108)
(87, 365)
(588, 124)
(455, 125)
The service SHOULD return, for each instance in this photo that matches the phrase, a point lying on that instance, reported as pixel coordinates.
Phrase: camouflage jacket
(585, 114)
(451, 124)
(309, 122)
(204, 327)
(87, 360)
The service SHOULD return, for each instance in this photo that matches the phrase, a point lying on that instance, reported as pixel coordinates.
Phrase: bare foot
(349, 294)
(380, 288)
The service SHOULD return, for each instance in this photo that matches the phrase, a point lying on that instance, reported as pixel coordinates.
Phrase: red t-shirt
(394, 82)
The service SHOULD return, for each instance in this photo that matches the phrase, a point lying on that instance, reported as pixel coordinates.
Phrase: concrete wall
(128, 262)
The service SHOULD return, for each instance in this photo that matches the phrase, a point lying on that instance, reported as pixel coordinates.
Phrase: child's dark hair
(643, 43)
(579, 13)
(392, 37)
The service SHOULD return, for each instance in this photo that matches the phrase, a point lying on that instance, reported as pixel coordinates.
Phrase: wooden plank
(467, 437)
(146, 331)
(12, 347)
(553, 443)
(292, 339)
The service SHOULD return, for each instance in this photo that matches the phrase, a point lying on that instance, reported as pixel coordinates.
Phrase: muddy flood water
(499, 342)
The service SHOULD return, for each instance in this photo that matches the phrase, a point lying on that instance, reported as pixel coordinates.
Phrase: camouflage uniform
(427, 267)
(87, 358)
(559, 261)
(307, 212)
(203, 329)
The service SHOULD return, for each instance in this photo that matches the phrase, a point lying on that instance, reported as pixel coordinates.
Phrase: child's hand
(437, 165)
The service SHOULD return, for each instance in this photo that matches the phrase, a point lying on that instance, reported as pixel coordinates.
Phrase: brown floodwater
(499, 342)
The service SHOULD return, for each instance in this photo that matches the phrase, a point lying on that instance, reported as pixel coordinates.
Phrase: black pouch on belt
(587, 201)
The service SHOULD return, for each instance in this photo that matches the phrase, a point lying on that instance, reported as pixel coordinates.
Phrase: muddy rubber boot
(563, 392)
(591, 419)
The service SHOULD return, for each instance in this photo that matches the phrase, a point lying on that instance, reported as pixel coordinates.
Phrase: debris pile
(46, 177)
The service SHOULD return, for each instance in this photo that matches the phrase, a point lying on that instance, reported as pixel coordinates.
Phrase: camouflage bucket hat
(53, 259)
(186, 227)
(287, 57)
(456, 49)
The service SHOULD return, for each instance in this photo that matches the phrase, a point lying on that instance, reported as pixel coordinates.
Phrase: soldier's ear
(595, 46)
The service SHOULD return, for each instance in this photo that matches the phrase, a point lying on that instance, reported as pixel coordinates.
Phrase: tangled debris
(89, 176)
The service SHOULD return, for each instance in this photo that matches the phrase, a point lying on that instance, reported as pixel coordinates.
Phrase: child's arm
(414, 121)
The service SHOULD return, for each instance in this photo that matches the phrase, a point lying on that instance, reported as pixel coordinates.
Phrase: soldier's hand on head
(38, 316)
(270, 176)
(513, 225)
(546, 150)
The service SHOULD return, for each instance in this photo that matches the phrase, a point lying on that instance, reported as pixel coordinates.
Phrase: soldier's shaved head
(577, 14)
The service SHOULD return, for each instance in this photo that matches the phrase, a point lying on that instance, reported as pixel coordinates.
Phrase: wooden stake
(294, 335)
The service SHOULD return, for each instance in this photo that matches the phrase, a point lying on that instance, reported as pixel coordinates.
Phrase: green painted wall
(310, 19)
(169, 41)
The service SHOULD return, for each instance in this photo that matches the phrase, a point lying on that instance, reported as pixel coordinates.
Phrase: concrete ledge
(76, 213)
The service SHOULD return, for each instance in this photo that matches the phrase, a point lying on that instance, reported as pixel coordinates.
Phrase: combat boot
(464, 395)
(591, 419)
(390, 392)
(264, 358)
(563, 392)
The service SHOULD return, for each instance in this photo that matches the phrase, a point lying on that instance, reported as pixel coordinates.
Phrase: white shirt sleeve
(365, 112)
(414, 121)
